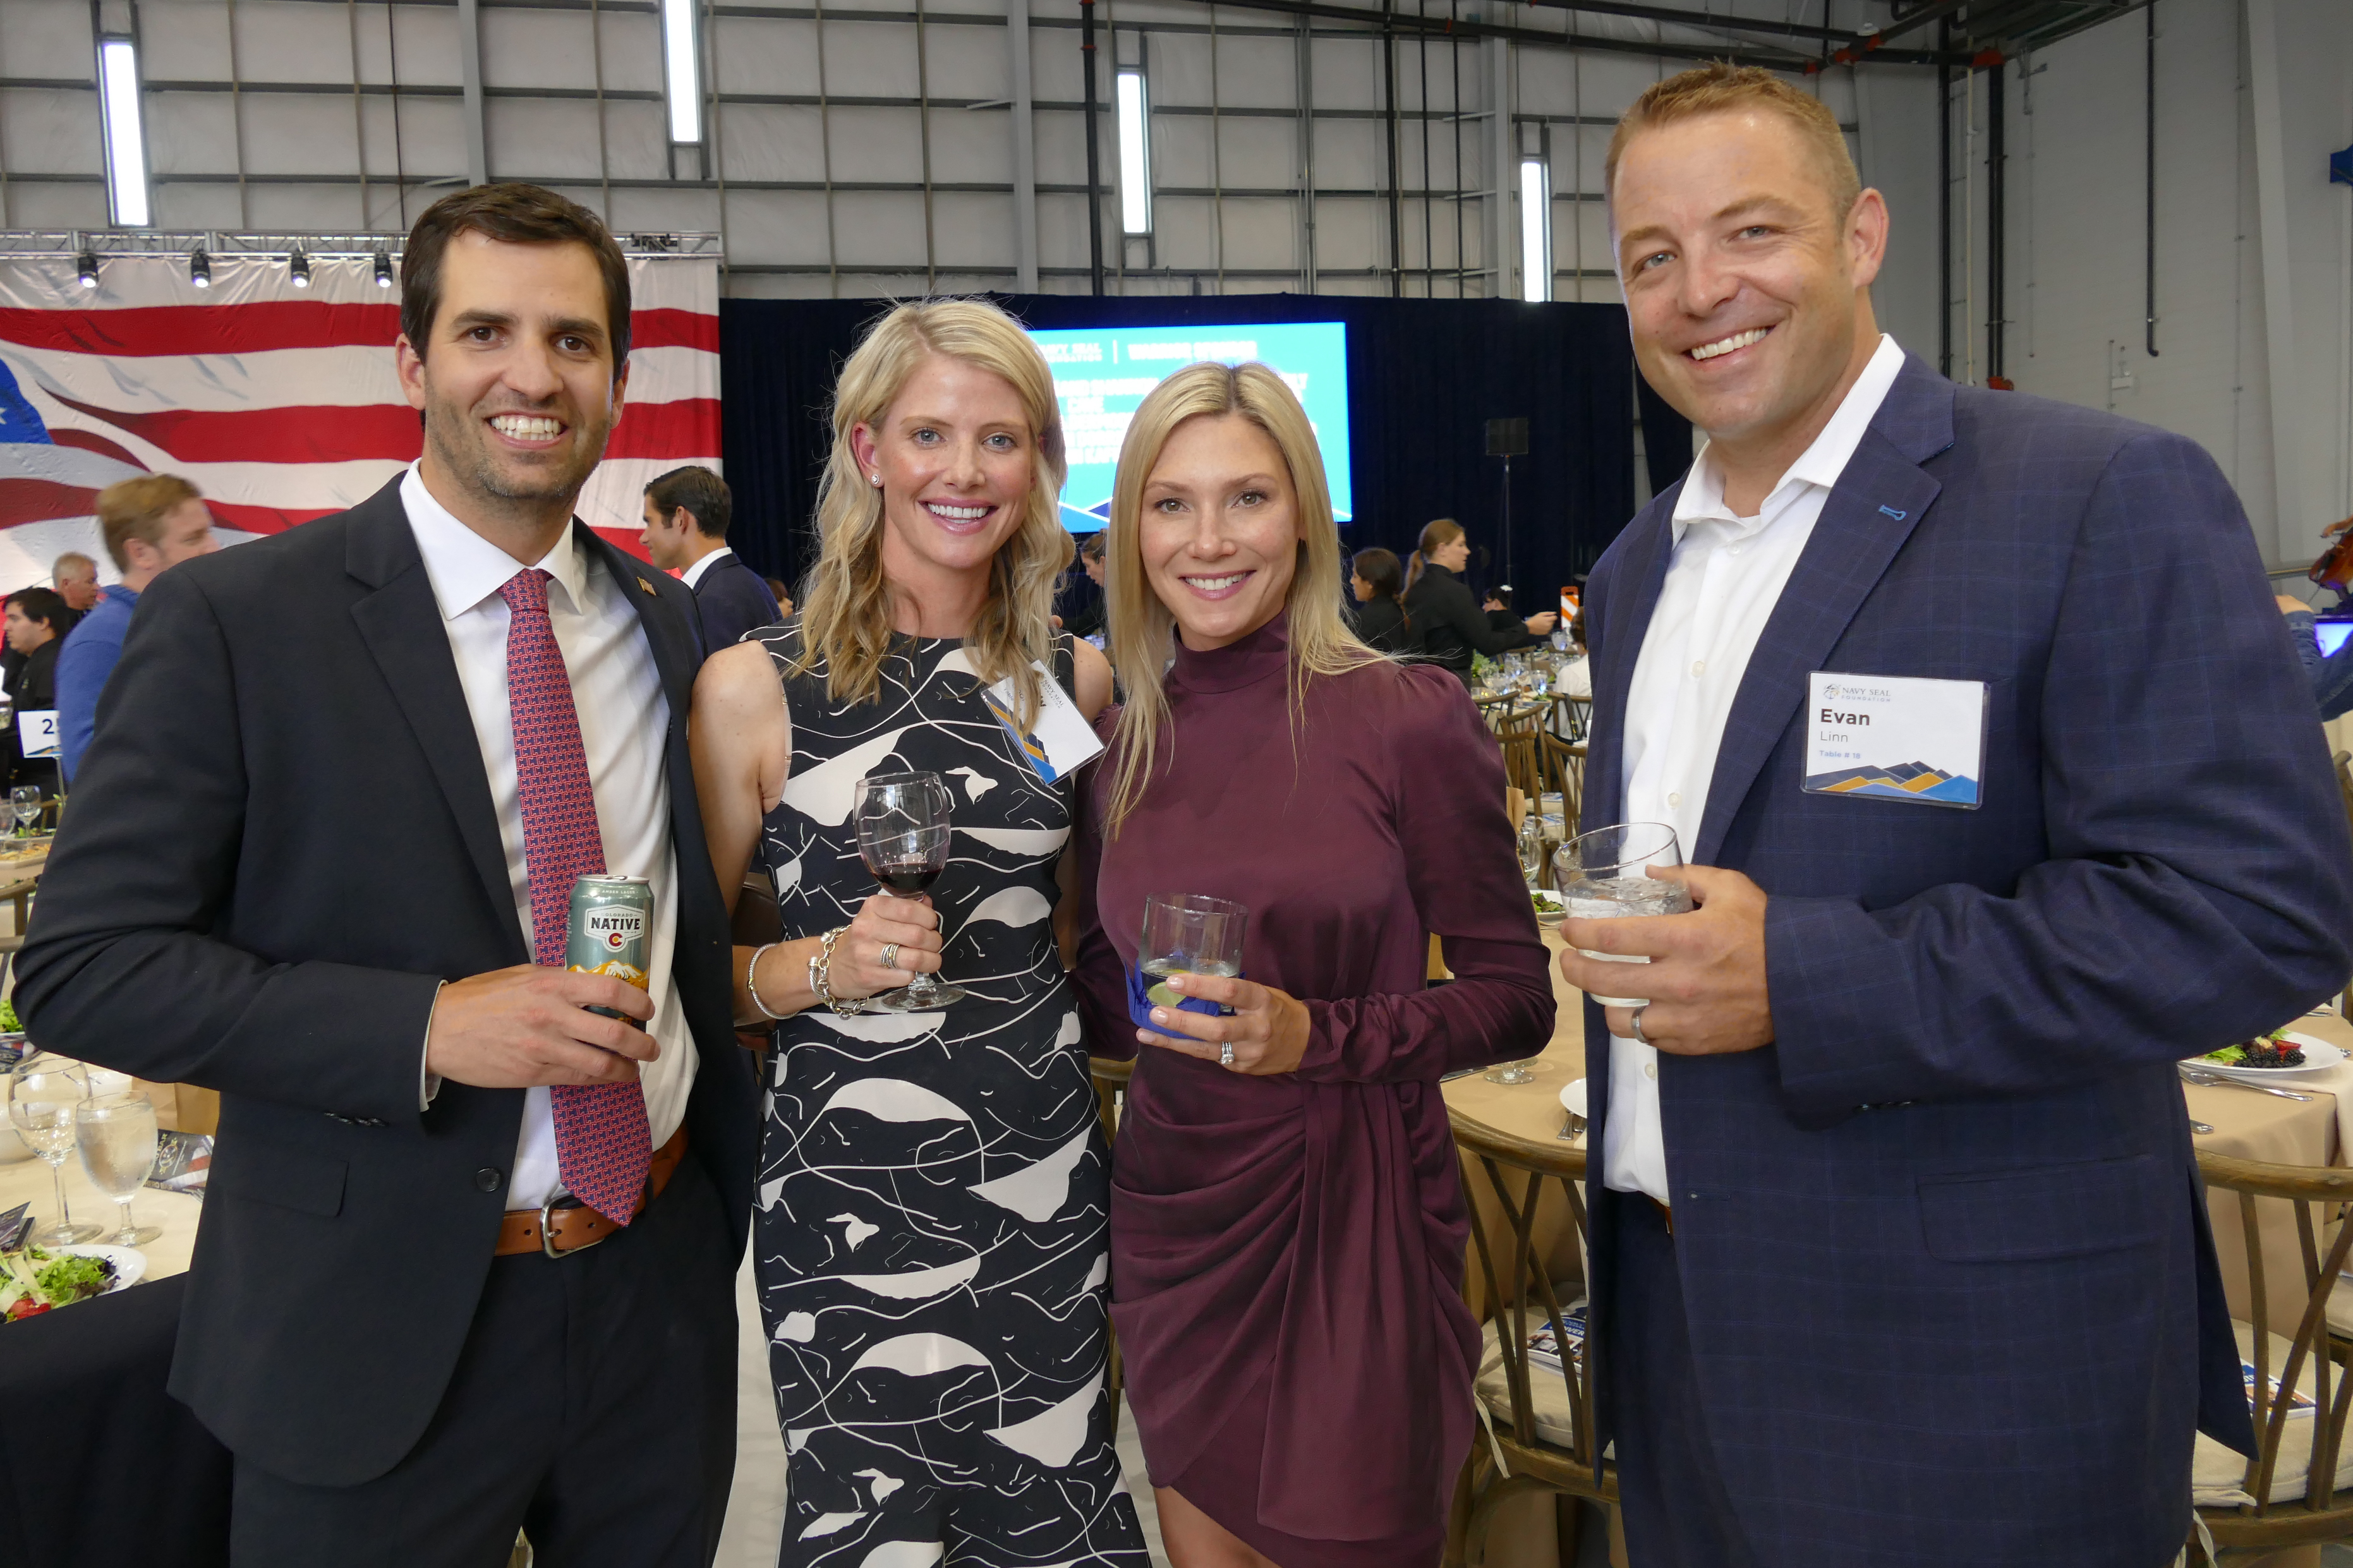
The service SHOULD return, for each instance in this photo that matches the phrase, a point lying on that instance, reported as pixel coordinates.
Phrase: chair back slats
(2314, 1363)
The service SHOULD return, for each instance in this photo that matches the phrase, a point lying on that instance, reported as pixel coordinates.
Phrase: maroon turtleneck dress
(1287, 1250)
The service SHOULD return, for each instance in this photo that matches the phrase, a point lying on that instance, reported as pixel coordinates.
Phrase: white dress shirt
(624, 728)
(1722, 582)
(694, 573)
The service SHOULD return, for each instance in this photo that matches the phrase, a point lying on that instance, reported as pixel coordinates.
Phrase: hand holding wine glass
(903, 836)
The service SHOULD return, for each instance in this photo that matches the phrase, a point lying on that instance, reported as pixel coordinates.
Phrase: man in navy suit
(686, 533)
(1900, 1253)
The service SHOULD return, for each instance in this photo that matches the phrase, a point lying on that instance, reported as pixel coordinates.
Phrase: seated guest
(686, 512)
(1451, 625)
(150, 524)
(2331, 674)
(75, 577)
(1287, 1225)
(37, 621)
(1378, 580)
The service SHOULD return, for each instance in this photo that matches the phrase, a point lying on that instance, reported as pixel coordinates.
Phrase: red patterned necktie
(602, 1146)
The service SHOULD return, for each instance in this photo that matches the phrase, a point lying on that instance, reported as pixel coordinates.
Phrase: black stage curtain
(1425, 376)
(1666, 437)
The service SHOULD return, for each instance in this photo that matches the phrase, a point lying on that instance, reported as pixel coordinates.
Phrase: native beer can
(612, 931)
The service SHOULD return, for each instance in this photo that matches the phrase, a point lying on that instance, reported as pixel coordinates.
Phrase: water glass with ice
(1192, 933)
(1605, 875)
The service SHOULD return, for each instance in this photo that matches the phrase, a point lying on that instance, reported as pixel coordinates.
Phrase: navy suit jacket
(1944, 1248)
(732, 600)
(282, 842)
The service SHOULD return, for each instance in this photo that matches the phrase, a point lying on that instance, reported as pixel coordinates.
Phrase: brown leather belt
(1667, 1214)
(560, 1231)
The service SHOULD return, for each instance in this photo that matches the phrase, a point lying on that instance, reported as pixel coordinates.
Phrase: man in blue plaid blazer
(1899, 1248)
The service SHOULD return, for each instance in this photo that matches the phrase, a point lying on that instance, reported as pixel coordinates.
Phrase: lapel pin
(1898, 516)
(648, 587)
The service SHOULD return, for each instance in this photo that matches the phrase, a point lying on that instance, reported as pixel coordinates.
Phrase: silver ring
(1226, 1053)
(1636, 1024)
(890, 955)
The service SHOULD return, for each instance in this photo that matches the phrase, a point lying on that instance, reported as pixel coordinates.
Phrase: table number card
(1895, 737)
(36, 728)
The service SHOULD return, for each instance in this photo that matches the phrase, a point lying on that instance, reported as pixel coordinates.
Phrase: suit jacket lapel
(1879, 501)
(401, 623)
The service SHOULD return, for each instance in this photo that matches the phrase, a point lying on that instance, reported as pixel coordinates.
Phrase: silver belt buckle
(547, 1231)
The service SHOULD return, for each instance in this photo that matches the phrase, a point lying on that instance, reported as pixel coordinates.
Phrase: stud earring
(878, 479)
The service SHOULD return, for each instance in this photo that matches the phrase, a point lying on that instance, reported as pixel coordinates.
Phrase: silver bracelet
(752, 984)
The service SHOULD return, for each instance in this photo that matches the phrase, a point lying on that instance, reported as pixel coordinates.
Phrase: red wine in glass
(903, 837)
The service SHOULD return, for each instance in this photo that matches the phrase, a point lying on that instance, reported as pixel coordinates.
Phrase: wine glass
(1604, 875)
(116, 1134)
(903, 837)
(42, 1096)
(24, 805)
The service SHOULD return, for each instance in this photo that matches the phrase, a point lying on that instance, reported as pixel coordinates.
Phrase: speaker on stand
(1507, 438)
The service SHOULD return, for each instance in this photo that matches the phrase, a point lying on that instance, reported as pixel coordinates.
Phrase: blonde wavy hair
(1142, 628)
(847, 613)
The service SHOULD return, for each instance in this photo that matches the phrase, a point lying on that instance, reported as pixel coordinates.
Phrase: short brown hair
(135, 508)
(519, 214)
(1717, 88)
(702, 494)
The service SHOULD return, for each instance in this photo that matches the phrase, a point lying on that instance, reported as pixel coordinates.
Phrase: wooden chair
(2298, 1490)
(1521, 734)
(1110, 1077)
(1539, 1423)
(1572, 717)
(1560, 770)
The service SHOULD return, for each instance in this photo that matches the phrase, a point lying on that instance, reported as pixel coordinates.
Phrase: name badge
(1059, 741)
(1895, 737)
(37, 731)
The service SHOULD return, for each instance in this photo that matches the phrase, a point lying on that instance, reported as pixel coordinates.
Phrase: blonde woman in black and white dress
(931, 1227)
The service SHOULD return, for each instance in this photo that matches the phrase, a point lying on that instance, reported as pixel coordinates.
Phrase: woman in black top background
(1449, 621)
(1378, 582)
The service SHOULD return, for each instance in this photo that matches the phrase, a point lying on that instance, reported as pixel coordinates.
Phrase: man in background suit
(1900, 1253)
(468, 1249)
(686, 514)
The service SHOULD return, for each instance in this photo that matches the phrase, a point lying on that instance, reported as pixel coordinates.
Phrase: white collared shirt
(1722, 582)
(624, 725)
(694, 573)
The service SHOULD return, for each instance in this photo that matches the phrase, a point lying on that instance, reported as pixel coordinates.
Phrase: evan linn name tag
(1059, 742)
(1895, 737)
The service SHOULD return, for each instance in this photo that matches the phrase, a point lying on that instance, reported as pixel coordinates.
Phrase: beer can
(612, 931)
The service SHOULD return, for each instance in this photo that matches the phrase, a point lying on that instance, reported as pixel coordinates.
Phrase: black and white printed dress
(932, 1223)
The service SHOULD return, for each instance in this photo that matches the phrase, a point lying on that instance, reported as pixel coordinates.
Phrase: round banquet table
(105, 1469)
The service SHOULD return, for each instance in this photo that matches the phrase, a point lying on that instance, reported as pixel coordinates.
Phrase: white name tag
(1895, 737)
(37, 731)
(1059, 741)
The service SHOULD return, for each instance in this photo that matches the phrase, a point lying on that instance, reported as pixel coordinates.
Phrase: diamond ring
(1226, 1053)
(890, 955)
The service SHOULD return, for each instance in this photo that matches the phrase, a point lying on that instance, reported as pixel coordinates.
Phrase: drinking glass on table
(1604, 875)
(42, 1097)
(1191, 934)
(116, 1135)
(903, 837)
(24, 806)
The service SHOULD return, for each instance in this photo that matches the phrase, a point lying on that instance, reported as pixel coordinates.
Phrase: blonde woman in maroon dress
(1287, 1227)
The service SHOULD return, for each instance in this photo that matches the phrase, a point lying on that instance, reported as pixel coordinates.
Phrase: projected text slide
(1100, 376)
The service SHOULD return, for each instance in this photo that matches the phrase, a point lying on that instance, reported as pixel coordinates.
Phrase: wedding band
(1226, 1053)
(890, 955)
(1636, 1022)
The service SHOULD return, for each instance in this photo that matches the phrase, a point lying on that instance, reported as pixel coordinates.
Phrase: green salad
(33, 1281)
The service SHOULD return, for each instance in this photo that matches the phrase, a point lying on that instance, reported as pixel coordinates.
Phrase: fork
(2216, 1080)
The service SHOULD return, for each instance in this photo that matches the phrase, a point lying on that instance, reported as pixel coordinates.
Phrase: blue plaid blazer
(1943, 1245)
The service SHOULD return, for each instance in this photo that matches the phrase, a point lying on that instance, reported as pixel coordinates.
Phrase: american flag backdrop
(280, 403)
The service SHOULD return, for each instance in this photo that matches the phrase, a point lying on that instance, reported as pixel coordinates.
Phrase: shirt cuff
(429, 1082)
